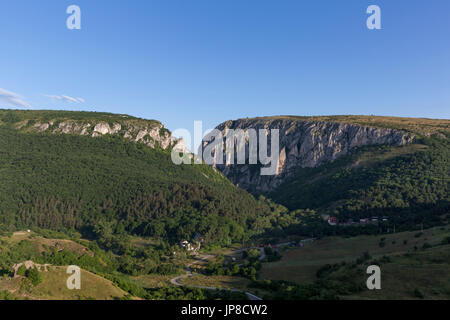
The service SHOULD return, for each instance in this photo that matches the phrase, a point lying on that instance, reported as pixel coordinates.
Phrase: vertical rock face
(302, 143)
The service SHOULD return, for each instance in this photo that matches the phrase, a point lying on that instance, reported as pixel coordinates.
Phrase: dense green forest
(105, 187)
(109, 187)
(410, 187)
(112, 190)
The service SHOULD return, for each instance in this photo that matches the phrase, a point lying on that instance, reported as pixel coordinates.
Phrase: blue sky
(214, 60)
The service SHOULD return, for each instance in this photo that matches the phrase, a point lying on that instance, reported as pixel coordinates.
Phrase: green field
(221, 282)
(422, 275)
(301, 264)
(153, 281)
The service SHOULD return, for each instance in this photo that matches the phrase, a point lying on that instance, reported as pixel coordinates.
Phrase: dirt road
(176, 281)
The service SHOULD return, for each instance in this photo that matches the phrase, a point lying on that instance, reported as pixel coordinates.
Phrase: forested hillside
(107, 186)
(409, 183)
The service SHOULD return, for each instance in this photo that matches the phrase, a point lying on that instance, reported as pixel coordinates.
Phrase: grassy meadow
(301, 264)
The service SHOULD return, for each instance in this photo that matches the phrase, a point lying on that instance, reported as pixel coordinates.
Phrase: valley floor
(413, 265)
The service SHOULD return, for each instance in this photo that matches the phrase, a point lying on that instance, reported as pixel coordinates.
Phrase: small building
(188, 246)
(185, 244)
(332, 221)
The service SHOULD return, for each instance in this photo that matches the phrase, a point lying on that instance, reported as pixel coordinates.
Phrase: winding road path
(176, 281)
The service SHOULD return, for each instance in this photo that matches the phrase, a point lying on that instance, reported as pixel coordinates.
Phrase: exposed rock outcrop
(302, 143)
(30, 265)
(151, 133)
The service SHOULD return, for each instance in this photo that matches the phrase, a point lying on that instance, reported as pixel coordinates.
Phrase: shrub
(426, 245)
(5, 295)
(167, 269)
(34, 276)
(10, 117)
(418, 293)
(22, 270)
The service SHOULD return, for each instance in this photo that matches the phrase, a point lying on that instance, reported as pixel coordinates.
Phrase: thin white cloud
(65, 98)
(12, 99)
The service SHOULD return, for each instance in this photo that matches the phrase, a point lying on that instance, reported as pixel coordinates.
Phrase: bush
(418, 294)
(365, 256)
(426, 245)
(167, 269)
(268, 251)
(34, 276)
(5, 295)
(22, 270)
(254, 254)
(10, 117)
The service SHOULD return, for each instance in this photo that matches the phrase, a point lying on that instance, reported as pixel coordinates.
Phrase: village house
(332, 221)
(185, 244)
(189, 246)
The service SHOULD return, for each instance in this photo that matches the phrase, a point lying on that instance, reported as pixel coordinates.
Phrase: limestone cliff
(303, 143)
(150, 132)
